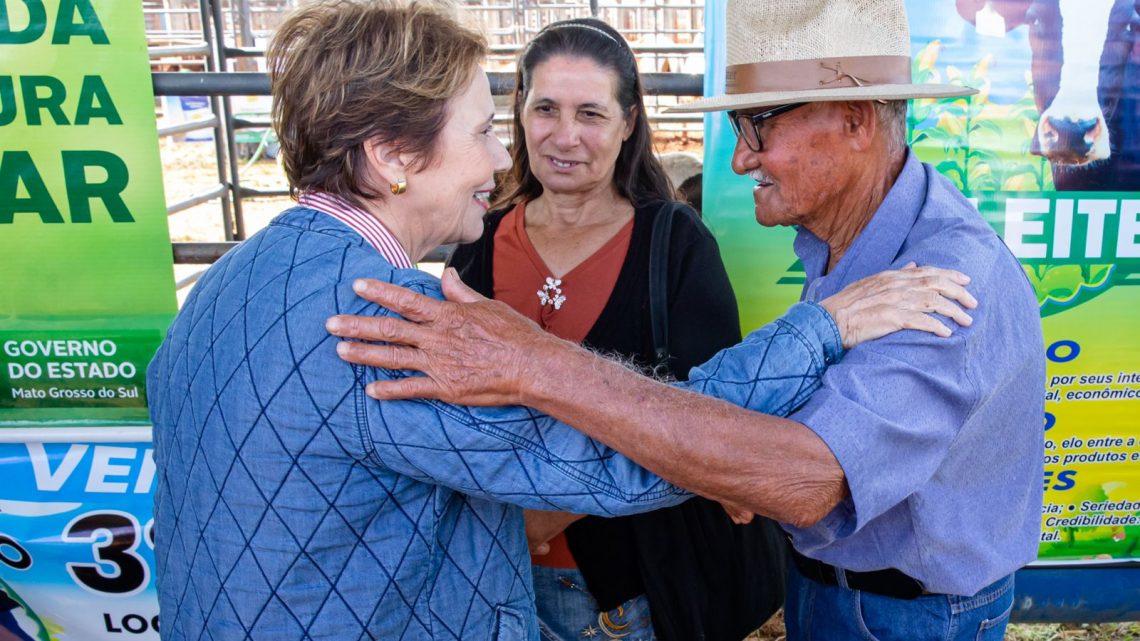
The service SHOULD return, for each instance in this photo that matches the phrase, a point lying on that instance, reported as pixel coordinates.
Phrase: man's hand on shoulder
(472, 350)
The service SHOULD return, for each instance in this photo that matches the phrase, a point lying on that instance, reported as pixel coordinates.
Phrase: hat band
(817, 73)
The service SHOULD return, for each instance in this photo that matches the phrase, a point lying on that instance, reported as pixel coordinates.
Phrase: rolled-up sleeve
(889, 412)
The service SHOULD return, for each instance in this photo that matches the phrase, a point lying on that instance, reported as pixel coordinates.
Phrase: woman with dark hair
(570, 248)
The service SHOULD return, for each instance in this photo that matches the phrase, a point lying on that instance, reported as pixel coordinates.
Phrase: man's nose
(744, 159)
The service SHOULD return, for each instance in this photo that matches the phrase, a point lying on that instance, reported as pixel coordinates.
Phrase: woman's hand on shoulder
(906, 298)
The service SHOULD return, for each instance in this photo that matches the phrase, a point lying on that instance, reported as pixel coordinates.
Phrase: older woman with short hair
(288, 507)
(287, 504)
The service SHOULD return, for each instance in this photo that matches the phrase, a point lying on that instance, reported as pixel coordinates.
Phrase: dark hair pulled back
(638, 174)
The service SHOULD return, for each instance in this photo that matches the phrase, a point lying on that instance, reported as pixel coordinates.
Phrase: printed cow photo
(1086, 78)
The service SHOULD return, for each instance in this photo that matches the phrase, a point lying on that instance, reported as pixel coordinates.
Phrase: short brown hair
(345, 72)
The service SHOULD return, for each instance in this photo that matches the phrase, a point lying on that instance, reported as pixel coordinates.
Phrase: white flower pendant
(551, 293)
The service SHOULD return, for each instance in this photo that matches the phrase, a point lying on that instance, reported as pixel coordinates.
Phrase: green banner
(87, 265)
(1074, 223)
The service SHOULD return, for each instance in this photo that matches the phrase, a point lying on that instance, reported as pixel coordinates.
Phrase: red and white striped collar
(361, 222)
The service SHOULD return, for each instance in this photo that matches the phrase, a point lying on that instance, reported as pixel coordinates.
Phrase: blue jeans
(817, 612)
(568, 612)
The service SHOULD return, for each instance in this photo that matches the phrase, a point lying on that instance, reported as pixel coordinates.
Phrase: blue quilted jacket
(290, 506)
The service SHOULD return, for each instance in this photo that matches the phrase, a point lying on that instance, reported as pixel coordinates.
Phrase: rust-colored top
(567, 307)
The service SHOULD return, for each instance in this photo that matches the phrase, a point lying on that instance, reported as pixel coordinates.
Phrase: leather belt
(889, 582)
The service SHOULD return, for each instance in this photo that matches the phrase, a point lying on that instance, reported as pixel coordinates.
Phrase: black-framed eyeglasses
(747, 126)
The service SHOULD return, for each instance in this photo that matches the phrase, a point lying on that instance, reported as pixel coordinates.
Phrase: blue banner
(76, 542)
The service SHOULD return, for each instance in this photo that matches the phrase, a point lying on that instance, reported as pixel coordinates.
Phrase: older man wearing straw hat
(910, 482)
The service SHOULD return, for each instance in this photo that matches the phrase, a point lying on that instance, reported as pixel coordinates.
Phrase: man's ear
(860, 123)
(386, 163)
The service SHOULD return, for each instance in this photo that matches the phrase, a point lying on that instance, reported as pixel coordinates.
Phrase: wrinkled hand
(901, 299)
(541, 527)
(738, 514)
(474, 351)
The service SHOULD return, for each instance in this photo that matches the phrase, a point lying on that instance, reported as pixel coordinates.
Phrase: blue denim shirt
(288, 505)
(941, 440)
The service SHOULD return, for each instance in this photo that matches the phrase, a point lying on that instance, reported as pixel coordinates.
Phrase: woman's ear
(386, 163)
(630, 122)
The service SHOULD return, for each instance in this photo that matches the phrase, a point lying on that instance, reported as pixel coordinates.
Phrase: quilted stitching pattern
(289, 506)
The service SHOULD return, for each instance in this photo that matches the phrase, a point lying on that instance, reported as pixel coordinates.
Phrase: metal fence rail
(225, 85)
(502, 83)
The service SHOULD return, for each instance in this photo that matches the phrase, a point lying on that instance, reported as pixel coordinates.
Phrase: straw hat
(785, 51)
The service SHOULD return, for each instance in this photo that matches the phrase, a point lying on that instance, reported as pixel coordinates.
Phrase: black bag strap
(658, 277)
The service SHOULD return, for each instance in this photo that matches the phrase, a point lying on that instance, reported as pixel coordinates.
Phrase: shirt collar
(876, 247)
(361, 222)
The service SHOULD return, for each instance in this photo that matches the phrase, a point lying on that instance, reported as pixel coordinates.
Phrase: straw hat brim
(873, 92)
